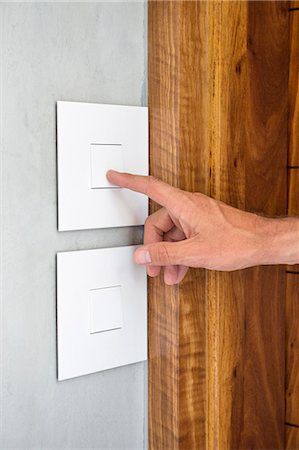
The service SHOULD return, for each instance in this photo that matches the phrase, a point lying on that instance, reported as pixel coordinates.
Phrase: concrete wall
(93, 52)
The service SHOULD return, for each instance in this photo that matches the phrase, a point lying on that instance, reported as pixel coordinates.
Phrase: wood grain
(292, 293)
(293, 192)
(245, 316)
(293, 206)
(292, 349)
(294, 90)
(226, 312)
(293, 157)
(177, 345)
(292, 438)
(218, 97)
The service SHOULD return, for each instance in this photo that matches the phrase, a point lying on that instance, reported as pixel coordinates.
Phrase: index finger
(162, 193)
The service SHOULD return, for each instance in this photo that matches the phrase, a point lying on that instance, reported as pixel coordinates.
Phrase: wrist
(280, 242)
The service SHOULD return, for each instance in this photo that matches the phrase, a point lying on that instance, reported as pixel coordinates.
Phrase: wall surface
(92, 52)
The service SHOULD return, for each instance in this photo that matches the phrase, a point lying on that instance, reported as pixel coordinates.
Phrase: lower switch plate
(101, 311)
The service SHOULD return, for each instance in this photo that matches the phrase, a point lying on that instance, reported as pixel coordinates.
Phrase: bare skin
(193, 230)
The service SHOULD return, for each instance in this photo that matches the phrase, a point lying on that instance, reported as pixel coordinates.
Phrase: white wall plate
(92, 138)
(101, 310)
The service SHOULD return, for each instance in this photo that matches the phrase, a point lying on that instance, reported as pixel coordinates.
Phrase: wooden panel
(218, 124)
(293, 192)
(294, 90)
(177, 89)
(246, 309)
(292, 438)
(293, 204)
(226, 307)
(292, 349)
(292, 295)
(293, 160)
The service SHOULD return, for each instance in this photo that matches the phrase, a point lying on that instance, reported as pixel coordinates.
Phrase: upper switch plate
(91, 139)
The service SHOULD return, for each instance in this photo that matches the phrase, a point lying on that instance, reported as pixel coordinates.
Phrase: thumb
(160, 254)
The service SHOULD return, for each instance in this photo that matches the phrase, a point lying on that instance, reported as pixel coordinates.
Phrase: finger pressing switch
(102, 158)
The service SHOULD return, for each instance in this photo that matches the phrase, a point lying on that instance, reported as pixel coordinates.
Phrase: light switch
(92, 138)
(102, 158)
(105, 309)
(101, 310)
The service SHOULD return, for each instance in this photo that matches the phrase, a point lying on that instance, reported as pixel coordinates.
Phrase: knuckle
(150, 220)
(183, 196)
(152, 181)
(187, 205)
(153, 218)
(148, 225)
(163, 254)
(176, 194)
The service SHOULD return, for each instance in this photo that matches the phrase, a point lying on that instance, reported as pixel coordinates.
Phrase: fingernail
(143, 257)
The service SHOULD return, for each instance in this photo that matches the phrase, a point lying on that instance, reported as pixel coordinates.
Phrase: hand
(193, 230)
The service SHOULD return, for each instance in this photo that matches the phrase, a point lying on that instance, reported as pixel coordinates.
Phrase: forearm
(281, 241)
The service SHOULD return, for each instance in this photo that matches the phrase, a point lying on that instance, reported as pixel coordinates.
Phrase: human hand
(193, 230)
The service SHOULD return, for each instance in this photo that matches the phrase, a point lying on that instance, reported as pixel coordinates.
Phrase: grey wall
(93, 52)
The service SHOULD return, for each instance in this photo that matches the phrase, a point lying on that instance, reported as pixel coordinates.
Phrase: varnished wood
(293, 158)
(177, 346)
(245, 315)
(294, 90)
(218, 74)
(292, 349)
(292, 293)
(293, 192)
(293, 203)
(292, 438)
(293, 186)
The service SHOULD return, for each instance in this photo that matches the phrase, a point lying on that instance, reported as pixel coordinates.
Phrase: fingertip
(174, 274)
(153, 271)
(110, 173)
(170, 275)
(182, 271)
(142, 256)
(169, 281)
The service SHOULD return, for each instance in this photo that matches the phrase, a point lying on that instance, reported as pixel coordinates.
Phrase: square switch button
(101, 311)
(105, 309)
(103, 158)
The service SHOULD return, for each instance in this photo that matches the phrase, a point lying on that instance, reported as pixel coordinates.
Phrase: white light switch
(91, 139)
(102, 158)
(105, 309)
(101, 310)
